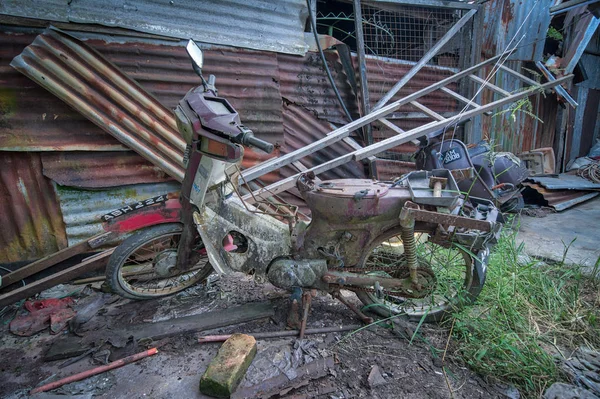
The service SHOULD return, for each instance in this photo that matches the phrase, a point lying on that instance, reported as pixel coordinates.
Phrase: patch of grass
(526, 313)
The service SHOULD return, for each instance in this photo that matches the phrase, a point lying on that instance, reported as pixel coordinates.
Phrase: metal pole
(426, 58)
(362, 69)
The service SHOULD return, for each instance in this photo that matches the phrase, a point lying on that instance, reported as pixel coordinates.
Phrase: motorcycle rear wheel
(142, 266)
(457, 280)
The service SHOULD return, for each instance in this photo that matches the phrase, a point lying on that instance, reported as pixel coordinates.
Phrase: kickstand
(306, 302)
(365, 319)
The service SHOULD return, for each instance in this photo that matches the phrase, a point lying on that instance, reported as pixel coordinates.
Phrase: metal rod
(426, 58)
(362, 69)
(94, 371)
(394, 141)
(279, 334)
(559, 89)
(569, 5)
(344, 131)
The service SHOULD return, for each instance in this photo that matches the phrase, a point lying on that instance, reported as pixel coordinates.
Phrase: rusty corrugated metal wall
(285, 99)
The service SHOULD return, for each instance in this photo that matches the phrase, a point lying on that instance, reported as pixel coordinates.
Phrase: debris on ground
(375, 378)
(85, 374)
(54, 313)
(227, 369)
(282, 384)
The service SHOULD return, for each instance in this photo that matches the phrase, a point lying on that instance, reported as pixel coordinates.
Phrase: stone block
(227, 369)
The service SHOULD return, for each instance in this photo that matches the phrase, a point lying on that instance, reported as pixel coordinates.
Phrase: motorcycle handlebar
(258, 143)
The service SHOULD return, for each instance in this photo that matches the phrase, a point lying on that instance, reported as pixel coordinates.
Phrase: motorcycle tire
(454, 290)
(134, 269)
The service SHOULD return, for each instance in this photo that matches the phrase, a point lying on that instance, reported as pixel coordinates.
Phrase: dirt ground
(409, 370)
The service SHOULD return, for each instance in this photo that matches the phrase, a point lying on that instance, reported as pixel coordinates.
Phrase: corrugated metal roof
(33, 119)
(82, 209)
(561, 199)
(248, 79)
(86, 81)
(103, 169)
(32, 225)
(565, 181)
(511, 22)
(301, 129)
(256, 24)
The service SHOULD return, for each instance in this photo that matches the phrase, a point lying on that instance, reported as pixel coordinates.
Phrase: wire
(335, 89)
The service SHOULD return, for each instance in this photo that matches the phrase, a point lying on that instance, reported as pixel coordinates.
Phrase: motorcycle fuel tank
(346, 199)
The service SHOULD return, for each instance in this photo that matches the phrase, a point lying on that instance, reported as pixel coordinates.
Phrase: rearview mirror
(195, 54)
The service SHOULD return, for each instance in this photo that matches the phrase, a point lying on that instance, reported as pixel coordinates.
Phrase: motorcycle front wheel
(457, 282)
(143, 266)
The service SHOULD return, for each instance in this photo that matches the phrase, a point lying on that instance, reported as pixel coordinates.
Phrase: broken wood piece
(55, 258)
(279, 334)
(65, 348)
(273, 386)
(94, 371)
(184, 325)
(87, 265)
(227, 369)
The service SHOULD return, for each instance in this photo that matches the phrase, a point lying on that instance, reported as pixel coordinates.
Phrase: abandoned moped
(412, 246)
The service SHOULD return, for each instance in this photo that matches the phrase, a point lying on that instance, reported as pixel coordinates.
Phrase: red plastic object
(51, 312)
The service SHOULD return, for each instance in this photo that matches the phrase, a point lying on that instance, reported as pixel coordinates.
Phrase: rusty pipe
(94, 371)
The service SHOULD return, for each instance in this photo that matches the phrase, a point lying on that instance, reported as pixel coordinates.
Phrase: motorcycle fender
(145, 213)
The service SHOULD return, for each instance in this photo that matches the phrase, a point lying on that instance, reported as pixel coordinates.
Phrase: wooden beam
(344, 131)
(55, 258)
(427, 111)
(517, 75)
(403, 138)
(87, 265)
(460, 98)
(488, 85)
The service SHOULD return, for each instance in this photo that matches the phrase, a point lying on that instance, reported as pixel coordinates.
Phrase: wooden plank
(516, 74)
(89, 264)
(559, 89)
(460, 98)
(431, 127)
(51, 260)
(188, 324)
(403, 138)
(490, 86)
(427, 111)
(344, 131)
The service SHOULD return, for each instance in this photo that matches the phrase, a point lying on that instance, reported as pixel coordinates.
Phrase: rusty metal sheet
(33, 119)
(388, 169)
(257, 24)
(302, 128)
(303, 82)
(82, 209)
(508, 22)
(37, 121)
(102, 169)
(32, 225)
(561, 199)
(86, 81)
(565, 181)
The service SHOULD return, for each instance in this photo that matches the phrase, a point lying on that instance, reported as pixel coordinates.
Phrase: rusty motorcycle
(413, 246)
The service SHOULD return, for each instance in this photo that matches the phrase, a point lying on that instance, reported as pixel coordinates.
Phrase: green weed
(525, 314)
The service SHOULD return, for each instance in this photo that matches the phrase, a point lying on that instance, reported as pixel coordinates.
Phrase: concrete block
(227, 369)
